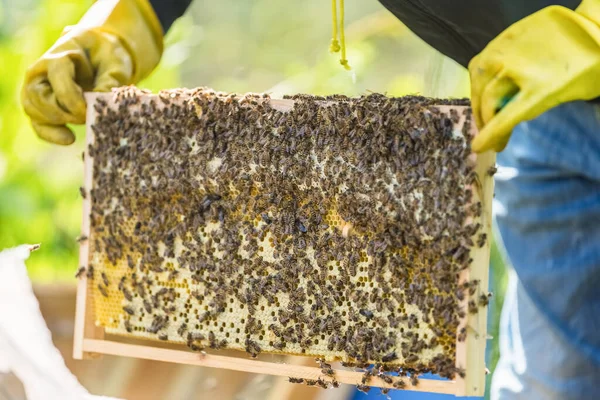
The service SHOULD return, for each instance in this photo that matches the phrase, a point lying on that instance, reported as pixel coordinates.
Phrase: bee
(163, 336)
(414, 379)
(81, 239)
(295, 380)
(127, 294)
(484, 299)
(473, 307)
(363, 388)
(128, 326)
(331, 343)
(399, 384)
(252, 348)
(105, 279)
(90, 272)
(389, 357)
(102, 290)
(173, 275)
(386, 378)
(147, 306)
(366, 376)
(265, 217)
(182, 328)
(366, 313)
(411, 359)
(158, 323)
(128, 310)
(322, 383)
(82, 192)
(310, 382)
(492, 170)
(279, 345)
(169, 310)
(482, 239)
(300, 226)
(80, 272)
(208, 200)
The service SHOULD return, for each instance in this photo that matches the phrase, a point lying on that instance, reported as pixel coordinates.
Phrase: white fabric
(26, 346)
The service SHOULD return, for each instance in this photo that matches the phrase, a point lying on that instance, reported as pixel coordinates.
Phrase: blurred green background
(275, 46)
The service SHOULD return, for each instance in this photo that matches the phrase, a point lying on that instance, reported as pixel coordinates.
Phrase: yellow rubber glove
(548, 58)
(117, 42)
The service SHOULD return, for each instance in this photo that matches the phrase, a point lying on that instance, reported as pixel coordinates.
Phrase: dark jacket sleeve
(168, 11)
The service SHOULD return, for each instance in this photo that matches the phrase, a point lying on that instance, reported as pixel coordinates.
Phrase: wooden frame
(89, 340)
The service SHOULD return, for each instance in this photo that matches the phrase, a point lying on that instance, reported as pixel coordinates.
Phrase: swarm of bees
(336, 229)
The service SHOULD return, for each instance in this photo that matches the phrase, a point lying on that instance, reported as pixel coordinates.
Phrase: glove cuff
(135, 23)
(590, 9)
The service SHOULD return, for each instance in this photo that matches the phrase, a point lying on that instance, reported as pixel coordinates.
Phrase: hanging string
(343, 59)
(340, 45)
(334, 47)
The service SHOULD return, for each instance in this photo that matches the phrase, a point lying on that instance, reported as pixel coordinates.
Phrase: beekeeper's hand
(117, 42)
(548, 58)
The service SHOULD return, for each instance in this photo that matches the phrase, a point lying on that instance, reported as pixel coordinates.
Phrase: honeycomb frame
(89, 337)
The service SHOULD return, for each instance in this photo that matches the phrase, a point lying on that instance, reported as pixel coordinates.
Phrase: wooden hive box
(347, 230)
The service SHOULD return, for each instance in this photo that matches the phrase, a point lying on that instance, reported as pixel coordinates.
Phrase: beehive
(337, 228)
